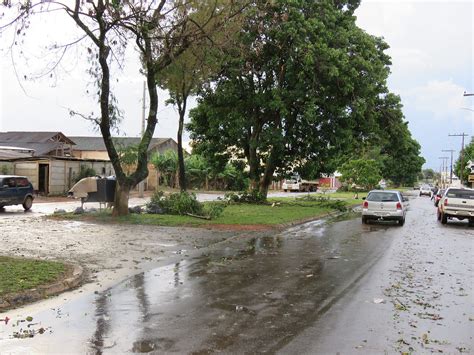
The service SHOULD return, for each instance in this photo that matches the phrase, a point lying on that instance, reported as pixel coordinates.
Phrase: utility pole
(462, 148)
(443, 172)
(451, 169)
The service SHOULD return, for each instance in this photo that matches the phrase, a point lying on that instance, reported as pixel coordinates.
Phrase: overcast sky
(431, 45)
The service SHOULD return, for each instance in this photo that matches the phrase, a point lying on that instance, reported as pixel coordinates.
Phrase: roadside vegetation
(18, 275)
(180, 210)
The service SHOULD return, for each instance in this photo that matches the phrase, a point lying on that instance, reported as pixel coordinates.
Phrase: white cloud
(443, 99)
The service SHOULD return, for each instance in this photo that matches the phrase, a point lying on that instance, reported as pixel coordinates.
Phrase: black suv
(16, 190)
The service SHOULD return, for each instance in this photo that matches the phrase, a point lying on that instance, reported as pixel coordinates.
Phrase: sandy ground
(108, 253)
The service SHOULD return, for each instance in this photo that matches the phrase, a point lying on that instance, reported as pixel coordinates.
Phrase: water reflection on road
(252, 294)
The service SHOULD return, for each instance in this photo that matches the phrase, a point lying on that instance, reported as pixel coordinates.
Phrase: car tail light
(366, 204)
(399, 206)
(446, 202)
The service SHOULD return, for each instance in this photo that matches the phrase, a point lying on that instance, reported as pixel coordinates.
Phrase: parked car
(16, 190)
(384, 205)
(425, 190)
(456, 203)
(438, 196)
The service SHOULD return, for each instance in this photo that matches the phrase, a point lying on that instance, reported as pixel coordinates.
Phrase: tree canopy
(301, 87)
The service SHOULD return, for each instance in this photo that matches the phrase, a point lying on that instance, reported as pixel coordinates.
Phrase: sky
(431, 45)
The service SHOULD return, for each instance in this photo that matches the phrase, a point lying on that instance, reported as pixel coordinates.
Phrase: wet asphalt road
(323, 287)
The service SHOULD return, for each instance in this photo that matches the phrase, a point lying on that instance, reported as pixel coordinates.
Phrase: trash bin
(105, 191)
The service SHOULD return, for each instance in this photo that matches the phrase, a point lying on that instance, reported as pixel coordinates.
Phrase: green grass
(285, 210)
(22, 274)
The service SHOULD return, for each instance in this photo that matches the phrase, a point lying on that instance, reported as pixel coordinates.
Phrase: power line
(451, 169)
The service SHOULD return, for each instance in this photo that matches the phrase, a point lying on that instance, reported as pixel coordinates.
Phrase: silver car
(384, 205)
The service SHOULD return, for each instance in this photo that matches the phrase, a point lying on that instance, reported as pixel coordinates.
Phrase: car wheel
(401, 222)
(471, 222)
(364, 220)
(285, 190)
(28, 203)
(444, 218)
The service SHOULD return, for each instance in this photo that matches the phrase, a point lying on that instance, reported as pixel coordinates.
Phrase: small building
(56, 175)
(94, 148)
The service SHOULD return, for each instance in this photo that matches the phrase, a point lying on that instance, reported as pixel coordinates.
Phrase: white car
(384, 205)
(425, 190)
(456, 203)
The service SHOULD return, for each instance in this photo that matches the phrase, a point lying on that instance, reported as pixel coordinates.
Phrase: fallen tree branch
(197, 216)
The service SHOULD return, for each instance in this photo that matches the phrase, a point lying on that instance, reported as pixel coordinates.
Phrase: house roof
(34, 137)
(7, 154)
(97, 143)
(39, 148)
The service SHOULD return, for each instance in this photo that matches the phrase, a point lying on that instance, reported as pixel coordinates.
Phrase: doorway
(43, 179)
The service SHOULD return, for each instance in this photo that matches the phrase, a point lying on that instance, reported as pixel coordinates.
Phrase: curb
(73, 279)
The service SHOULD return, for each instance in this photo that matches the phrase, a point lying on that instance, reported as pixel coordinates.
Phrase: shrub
(326, 202)
(183, 203)
(84, 171)
(252, 196)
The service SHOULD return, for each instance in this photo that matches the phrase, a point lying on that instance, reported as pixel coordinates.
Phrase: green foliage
(468, 155)
(253, 196)
(167, 164)
(361, 172)
(292, 94)
(428, 174)
(4, 170)
(84, 171)
(214, 209)
(323, 201)
(128, 154)
(184, 203)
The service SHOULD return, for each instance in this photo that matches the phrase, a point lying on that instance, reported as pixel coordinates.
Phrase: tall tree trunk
(268, 173)
(253, 165)
(181, 168)
(122, 193)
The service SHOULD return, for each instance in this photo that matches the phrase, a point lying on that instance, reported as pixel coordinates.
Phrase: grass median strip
(276, 212)
(17, 274)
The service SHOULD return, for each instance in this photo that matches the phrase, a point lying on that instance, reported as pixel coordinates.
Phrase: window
(22, 182)
(460, 193)
(383, 197)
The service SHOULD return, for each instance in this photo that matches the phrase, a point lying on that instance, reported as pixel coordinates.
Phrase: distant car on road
(384, 205)
(16, 190)
(425, 190)
(456, 203)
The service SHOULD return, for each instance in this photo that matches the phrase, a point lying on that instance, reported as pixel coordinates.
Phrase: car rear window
(383, 197)
(460, 193)
(22, 182)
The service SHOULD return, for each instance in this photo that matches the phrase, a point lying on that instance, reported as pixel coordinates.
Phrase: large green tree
(299, 89)
(362, 173)
(400, 152)
(468, 156)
